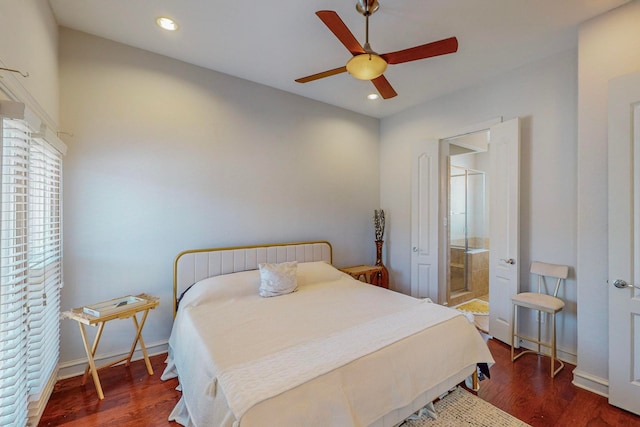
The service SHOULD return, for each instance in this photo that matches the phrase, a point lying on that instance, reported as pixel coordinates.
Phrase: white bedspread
(336, 352)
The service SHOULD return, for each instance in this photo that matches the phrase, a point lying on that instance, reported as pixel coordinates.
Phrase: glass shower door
(467, 230)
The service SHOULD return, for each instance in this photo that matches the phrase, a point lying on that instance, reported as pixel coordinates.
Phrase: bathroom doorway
(430, 252)
(468, 220)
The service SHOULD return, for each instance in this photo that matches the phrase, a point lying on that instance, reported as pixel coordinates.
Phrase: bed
(335, 352)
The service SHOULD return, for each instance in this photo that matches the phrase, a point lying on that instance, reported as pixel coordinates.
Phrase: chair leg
(539, 314)
(553, 344)
(554, 356)
(513, 328)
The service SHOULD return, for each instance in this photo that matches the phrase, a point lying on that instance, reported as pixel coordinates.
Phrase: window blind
(30, 270)
(45, 264)
(14, 273)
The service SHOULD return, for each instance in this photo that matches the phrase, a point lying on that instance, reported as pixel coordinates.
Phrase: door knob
(508, 261)
(415, 249)
(621, 284)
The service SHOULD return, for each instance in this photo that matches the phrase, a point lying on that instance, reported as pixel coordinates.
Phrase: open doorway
(429, 217)
(467, 249)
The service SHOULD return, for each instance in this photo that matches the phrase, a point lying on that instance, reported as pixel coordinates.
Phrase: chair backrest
(544, 269)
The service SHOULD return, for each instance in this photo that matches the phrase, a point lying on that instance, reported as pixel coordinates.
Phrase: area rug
(480, 311)
(475, 306)
(461, 408)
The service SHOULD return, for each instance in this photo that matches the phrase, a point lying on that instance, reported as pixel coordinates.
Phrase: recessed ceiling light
(373, 96)
(167, 23)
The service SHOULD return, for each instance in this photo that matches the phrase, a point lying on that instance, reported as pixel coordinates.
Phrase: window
(30, 267)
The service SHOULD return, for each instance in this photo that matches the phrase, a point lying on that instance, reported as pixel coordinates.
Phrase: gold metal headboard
(193, 265)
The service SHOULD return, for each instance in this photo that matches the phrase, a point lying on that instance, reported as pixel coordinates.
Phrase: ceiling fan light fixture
(366, 66)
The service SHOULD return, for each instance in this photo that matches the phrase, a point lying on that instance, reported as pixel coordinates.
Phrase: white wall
(126, 109)
(29, 43)
(608, 48)
(544, 94)
(168, 156)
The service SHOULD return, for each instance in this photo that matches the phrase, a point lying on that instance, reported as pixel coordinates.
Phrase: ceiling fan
(367, 64)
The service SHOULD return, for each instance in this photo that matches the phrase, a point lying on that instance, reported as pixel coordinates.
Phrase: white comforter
(336, 352)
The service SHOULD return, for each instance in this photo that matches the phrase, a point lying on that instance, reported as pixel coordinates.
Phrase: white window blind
(14, 274)
(45, 264)
(30, 271)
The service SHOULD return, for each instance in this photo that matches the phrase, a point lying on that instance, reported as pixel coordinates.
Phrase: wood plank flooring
(132, 397)
(524, 389)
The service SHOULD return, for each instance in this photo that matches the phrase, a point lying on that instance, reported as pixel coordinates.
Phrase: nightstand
(119, 308)
(372, 274)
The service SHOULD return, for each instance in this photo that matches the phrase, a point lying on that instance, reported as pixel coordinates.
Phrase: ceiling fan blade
(340, 30)
(424, 51)
(322, 75)
(384, 87)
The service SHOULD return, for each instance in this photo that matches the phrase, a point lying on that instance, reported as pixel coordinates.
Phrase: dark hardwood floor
(132, 397)
(524, 389)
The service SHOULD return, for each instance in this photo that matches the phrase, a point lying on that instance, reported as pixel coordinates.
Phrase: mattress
(335, 352)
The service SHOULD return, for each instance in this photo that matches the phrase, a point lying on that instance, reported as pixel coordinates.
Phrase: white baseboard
(591, 383)
(76, 367)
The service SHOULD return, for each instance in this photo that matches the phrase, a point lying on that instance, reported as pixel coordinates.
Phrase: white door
(504, 202)
(424, 220)
(624, 242)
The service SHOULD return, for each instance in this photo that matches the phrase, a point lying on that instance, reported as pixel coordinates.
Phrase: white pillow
(316, 272)
(278, 279)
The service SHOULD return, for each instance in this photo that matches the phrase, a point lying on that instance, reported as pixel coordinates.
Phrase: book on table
(112, 306)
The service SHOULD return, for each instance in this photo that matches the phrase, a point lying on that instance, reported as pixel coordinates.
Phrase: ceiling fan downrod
(367, 8)
(367, 46)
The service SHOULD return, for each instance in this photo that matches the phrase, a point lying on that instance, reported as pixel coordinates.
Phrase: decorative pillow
(278, 279)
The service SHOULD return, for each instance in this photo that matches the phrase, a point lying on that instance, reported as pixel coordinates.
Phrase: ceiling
(273, 43)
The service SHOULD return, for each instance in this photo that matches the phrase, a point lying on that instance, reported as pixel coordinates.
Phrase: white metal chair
(543, 302)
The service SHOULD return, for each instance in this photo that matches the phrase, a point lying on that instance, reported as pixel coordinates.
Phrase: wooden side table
(149, 302)
(367, 273)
